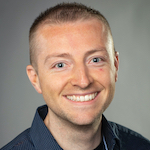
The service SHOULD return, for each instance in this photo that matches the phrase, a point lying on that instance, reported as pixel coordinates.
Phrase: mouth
(82, 98)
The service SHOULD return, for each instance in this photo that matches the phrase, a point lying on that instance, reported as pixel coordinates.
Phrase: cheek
(105, 75)
(100, 69)
(55, 84)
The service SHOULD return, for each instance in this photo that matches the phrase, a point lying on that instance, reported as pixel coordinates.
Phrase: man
(74, 66)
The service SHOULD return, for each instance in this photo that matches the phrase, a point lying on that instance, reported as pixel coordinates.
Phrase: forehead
(75, 35)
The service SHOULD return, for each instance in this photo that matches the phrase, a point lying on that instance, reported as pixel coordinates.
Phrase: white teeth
(74, 98)
(86, 97)
(82, 98)
(78, 98)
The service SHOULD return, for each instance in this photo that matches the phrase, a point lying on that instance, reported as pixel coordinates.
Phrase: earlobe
(116, 65)
(33, 77)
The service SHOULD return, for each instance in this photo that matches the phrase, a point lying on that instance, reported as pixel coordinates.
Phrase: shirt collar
(43, 139)
(110, 132)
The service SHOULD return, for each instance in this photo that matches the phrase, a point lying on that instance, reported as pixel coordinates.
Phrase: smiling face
(77, 70)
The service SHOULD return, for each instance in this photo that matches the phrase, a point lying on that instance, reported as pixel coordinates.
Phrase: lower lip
(84, 102)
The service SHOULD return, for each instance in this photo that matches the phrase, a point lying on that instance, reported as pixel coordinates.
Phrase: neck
(71, 136)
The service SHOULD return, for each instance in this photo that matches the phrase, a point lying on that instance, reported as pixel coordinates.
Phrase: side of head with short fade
(62, 13)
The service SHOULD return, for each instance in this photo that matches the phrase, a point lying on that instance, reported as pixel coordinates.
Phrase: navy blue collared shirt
(38, 137)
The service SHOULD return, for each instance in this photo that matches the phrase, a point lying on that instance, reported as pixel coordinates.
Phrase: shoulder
(130, 139)
(22, 141)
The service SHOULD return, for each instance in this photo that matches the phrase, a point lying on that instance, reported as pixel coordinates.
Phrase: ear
(116, 65)
(33, 77)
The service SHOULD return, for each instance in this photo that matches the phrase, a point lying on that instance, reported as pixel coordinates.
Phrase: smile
(82, 98)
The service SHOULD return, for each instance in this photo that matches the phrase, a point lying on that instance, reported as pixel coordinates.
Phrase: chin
(86, 120)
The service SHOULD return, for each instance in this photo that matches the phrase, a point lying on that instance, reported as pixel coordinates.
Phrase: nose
(81, 77)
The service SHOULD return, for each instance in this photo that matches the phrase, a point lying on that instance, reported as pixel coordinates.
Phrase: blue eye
(60, 65)
(96, 59)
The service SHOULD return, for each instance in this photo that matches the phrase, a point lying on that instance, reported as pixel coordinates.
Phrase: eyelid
(59, 63)
(66, 63)
(56, 63)
(99, 57)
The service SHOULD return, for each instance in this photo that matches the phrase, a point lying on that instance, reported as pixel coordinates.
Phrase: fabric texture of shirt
(38, 137)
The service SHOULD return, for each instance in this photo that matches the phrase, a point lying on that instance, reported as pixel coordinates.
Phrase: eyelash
(61, 65)
(58, 65)
(96, 60)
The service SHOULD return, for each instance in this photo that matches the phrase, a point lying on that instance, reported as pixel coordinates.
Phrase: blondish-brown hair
(62, 13)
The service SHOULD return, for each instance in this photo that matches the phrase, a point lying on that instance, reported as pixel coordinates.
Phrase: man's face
(77, 70)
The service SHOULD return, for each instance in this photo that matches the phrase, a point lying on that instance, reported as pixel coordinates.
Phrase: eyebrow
(95, 50)
(67, 55)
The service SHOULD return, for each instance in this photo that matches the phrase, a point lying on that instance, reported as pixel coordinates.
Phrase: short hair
(62, 13)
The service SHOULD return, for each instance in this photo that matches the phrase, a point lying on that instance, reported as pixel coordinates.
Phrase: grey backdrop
(130, 24)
